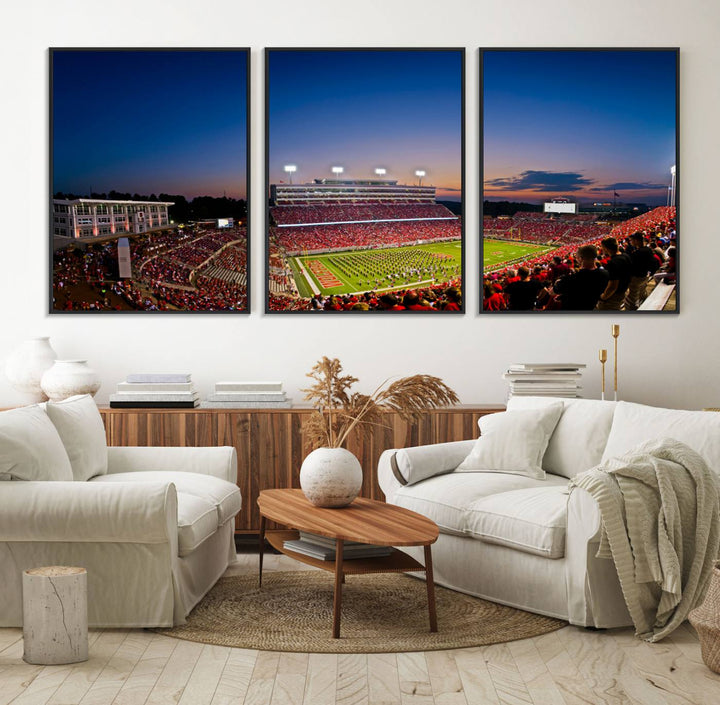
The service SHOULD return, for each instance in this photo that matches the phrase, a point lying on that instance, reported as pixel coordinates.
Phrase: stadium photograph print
(580, 180)
(149, 180)
(364, 161)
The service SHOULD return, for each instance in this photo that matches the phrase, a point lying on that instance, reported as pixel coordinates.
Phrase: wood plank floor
(569, 667)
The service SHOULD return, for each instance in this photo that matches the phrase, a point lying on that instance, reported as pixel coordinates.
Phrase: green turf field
(387, 269)
(496, 252)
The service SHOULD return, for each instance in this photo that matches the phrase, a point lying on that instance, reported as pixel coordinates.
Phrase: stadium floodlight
(380, 171)
(290, 169)
(337, 170)
(420, 173)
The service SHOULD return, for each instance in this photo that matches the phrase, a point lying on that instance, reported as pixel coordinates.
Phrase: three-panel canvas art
(364, 200)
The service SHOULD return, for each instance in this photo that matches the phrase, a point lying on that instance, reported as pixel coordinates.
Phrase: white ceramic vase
(331, 477)
(66, 378)
(26, 366)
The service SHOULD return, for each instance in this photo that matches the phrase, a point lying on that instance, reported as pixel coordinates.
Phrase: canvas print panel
(579, 180)
(149, 180)
(364, 161)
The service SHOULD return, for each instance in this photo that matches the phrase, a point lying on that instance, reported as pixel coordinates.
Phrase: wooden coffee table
(365, 520)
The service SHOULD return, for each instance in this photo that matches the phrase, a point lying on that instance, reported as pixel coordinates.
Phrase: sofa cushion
(446, 499)
(580, 437)
(421, 462)
(223, 495)
(513, 442)
(30, 447)
(532, 520)
(197, 521)
(81, 429)
(635, 423)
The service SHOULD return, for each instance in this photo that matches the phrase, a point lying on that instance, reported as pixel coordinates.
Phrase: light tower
(420, 173)
(290, 169)
(381, 171)
(337, 170)
(673, 170)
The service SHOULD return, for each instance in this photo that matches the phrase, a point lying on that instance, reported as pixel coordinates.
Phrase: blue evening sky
(579, 123)
(171, 121)
(397, 109)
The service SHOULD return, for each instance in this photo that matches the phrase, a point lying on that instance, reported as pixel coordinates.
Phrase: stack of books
(247, 395)
(323, 548)
(156, 391)
(545, 379)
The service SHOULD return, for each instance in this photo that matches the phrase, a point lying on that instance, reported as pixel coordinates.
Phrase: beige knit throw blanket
(660, 524)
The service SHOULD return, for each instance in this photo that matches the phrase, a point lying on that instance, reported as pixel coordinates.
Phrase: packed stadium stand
(657, 226)
(190, 269)
(345, 215)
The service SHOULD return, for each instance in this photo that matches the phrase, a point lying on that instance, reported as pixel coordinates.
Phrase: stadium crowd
(298, 215)
(321, 238)
(542, 230)
(606, 273)
(164, 267)
(438, 297)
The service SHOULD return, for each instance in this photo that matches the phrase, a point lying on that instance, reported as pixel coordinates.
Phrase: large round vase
(331, 477)
(26, 366)
(66, 378)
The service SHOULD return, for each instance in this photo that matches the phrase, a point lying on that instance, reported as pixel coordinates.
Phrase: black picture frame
(674, 56)
(178, 104)
(269, 53)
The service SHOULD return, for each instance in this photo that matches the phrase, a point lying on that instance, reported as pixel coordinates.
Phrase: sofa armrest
(583, 519)
(88, 512)
(219, 462)
(406, 466)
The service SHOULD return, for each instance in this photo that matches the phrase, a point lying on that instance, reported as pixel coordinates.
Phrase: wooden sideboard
(270, 443)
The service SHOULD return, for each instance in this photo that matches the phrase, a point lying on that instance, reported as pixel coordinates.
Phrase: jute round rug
(380, 613)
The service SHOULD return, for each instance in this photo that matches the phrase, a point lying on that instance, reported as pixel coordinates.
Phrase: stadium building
(91, 217)
(334, 191)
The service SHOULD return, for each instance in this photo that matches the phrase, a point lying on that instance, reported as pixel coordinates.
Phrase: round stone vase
(331, 477)
(66, 378)
(25, 367)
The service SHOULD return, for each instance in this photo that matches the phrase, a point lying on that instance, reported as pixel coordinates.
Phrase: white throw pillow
(579, 439)
(419, 463)
(81, 429)
(636, 423)
(513, 442)
(30, 447)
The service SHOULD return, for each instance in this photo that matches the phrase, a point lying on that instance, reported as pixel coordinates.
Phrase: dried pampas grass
(338, 410)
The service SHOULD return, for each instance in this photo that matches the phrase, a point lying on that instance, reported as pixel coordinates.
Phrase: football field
(495, 252)
(379, 270)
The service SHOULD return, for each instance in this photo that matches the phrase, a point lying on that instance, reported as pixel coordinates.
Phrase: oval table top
(364, 520)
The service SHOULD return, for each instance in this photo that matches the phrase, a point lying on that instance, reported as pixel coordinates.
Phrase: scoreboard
(560, 207)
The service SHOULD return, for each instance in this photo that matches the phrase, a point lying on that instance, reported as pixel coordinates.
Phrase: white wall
(667, 361)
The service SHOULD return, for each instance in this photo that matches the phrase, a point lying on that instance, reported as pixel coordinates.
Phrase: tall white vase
(66, 378)
(26, 366)
(331, 477)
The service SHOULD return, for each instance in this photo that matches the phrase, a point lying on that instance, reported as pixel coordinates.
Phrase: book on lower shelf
(247, 395)
(156, 391)
(544, 379)
(351, 549)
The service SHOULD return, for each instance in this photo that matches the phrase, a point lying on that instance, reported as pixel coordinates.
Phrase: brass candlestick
(603, 360)
(615, 330)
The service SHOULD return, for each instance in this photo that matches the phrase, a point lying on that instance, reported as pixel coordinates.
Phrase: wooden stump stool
(55, 615)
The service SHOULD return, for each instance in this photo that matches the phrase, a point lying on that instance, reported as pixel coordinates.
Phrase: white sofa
(154, 527)
(529, 542)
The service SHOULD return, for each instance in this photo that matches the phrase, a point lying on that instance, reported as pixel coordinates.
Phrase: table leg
(337, 598)
(261, 548)
(430, 588)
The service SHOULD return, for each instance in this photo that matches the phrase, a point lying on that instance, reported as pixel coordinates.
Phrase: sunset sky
(401, 110)
(581, 124)
(150, 121)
